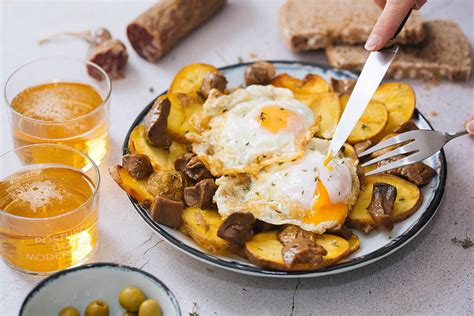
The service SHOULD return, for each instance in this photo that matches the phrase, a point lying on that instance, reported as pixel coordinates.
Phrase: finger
(419, 4)
(380, 3)
(388, 23)
(470, 127)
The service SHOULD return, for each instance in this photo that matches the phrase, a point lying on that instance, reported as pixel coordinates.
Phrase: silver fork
(421, 145)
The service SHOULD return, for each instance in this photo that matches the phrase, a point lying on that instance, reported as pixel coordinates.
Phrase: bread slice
(314, 24)
(445, 54)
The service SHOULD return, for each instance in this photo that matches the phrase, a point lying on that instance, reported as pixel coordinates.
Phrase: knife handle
(392, 40)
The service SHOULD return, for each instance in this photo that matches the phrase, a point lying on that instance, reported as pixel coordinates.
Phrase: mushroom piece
(212, 80)
(156, 124)
(260, 73)
(381, 206)
(302, 250)
(138, 165)
(237, 228)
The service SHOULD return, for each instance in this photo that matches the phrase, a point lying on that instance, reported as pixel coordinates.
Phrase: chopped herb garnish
(302, 192)
(466, 243)
(263, 116)
(334, 243)
(282, 109)
(194, 310)
(273, 184)
(224, 110)
(151, 89)
(286, 174)
(304, 170)
(247, 143)
(401, 199)
(364, 126)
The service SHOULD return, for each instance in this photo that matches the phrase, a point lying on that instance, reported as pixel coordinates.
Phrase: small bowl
(97, 281)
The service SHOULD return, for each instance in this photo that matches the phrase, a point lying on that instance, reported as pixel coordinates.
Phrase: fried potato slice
(337, 248)
(354, 243)
(265, 250)
(202, 226)
(135, 188)
(371, 123)
(349, 151)
(161, 159)
(409, 198)
(189, 79)
(326, 105)
(400, 100)
(303, 90)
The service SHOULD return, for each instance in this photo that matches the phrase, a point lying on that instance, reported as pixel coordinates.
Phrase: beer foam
(38, 194)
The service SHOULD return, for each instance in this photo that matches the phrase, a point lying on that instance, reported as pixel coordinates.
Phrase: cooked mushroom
(192, 167)
(341, 231)
(381, 206)
(302, 250)
(156, 124)
(212, 80)
(260, 73)
(201, 194)
(167, 211)
(362, 146)
(342, 86)
(138, 165)
(237, 228)
(418, 173)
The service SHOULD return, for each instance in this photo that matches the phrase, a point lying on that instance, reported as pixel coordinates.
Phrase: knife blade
(372, 74)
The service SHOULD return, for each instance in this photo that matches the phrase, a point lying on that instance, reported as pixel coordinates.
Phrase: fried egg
(252, 128)
(303, 192)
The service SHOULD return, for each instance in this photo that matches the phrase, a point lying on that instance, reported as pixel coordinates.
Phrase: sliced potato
(265, 250)
(354, 243)
(135, 188)
(202, 226)
(326, 105)
(303, 90)
(371, 123)
(189, 79)
(337, 248)
(349, 151)
(183, 107)
(400, 100)
(409, 198)
(161, 159)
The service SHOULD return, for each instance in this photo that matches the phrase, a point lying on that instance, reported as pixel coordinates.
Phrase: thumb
(388, 23)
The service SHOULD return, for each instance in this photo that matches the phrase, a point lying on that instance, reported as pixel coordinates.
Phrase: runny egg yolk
(323, 210)
(274, 118)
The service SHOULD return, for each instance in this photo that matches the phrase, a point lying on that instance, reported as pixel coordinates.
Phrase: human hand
(394, 11)
(470, 126)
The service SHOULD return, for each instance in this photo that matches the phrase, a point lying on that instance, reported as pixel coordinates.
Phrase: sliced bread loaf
(444, 54)
(314, 24)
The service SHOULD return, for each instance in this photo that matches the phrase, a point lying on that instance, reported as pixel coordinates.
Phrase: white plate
(373, 247)
(97, 281)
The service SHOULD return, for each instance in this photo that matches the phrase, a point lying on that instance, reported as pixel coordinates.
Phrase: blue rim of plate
(59, 274)
(395, 244)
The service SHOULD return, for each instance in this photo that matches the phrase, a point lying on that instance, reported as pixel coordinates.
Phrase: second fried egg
(252, 128)
(303, 192)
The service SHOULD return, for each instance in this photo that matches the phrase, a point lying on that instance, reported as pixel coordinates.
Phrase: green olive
(130, 298)
(69, 311)
(97, 308)
(149, 308)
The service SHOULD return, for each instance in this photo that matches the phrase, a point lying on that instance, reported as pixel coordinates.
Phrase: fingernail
(372, 42)
(470, 127)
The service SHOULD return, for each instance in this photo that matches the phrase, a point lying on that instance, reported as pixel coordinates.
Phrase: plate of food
(228, 165)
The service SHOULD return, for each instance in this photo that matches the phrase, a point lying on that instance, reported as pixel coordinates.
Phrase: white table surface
(429, 276)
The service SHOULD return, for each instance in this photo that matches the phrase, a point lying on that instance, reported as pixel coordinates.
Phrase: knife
(372, 74)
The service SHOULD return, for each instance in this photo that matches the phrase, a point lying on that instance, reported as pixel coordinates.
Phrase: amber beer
(48, 211)
(55, 101)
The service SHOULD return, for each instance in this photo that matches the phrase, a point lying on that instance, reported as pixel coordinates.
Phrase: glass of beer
(48, 208)
(60, 100)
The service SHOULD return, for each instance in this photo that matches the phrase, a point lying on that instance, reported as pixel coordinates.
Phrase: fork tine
(408, 148)
(389, 142)
(396, 164)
